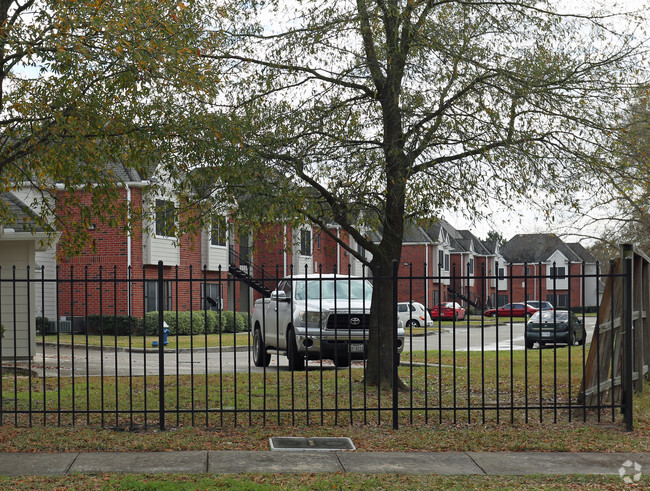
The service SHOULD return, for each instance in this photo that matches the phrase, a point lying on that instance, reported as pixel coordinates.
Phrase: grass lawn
(220, 426)
(180, 342)
(316, 482)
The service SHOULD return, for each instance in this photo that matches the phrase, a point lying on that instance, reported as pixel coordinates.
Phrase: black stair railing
(241, 268)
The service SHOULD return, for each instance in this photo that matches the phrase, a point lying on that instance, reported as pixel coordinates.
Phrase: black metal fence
(102, 360)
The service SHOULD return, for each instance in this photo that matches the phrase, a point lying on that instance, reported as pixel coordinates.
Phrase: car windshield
(340, 289)
(550, 316)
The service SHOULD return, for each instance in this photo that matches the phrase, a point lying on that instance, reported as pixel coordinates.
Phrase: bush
(229, 321)
(196, 322)
(120, 325)
(41, 324)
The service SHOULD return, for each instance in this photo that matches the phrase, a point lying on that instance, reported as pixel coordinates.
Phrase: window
(441, 259)
(165, 218)
(361, 250)
(530, 270)
(218, 234)
(446, 262)
(502, 300)
(502, 273)
(558, 272)
(213, 296)
(305, 242)
(558, 301)
(151, 296)
(470, 266)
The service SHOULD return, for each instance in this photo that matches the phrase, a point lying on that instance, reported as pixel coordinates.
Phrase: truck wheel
(529, 343)
(341, 360)
(412, 323)
(296, 360)
(260, 357)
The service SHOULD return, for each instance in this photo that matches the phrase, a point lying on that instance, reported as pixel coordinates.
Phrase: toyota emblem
(355, 321)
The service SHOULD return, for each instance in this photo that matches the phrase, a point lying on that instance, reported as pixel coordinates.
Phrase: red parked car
(512, 310)
(448, 310)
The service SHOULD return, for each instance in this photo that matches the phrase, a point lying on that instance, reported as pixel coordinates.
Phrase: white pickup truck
(315, 317)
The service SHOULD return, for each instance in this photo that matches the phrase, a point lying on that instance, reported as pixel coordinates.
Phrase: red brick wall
(100, 274)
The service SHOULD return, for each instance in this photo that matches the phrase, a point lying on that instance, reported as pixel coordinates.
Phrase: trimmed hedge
(120, 325)
(41, 324)
(196, 322)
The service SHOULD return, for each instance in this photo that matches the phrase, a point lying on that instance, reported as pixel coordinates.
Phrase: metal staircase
(241, 269)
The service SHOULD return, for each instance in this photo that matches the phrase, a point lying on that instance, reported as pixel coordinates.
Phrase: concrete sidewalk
(232, 462)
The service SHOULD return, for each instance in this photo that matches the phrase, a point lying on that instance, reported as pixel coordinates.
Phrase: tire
(572, 339)
(412, 323)
(342, 360)
(529, 343)
(584, 338)
(456, 316)
(296, 360)
(260, 357)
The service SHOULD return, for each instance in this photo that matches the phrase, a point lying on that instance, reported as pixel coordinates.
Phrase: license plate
(356, 348)
(547, 334)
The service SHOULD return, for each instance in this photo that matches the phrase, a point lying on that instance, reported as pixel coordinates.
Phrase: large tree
(370, 112)
(86, 84)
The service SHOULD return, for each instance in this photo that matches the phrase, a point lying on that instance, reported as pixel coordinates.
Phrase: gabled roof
(123, 173)
(23, 215)
(535, 248)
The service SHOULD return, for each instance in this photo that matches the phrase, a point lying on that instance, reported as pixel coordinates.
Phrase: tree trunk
(381, 352)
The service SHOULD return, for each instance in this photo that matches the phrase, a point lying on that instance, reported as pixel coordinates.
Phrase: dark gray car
(553, 327)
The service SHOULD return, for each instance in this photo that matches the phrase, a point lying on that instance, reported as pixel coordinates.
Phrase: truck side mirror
(278, 296)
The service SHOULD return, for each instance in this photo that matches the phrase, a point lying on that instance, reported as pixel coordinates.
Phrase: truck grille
(348, 321)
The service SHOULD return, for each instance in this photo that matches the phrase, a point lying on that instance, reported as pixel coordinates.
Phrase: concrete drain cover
(289, 444)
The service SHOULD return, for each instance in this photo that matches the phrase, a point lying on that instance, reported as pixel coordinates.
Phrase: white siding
(560, 261)
(213, 257)
(45, 300)
(17, 312)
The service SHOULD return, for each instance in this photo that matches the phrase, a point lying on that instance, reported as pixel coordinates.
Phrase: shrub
(196, 322)
(181, 323)
(41, 324)
(120, 325)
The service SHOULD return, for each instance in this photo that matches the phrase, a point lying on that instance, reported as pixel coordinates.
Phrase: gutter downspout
(426, 276)
(284, 249)
(338, 250)
(128, 245)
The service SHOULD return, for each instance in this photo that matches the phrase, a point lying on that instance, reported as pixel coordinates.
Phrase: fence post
(628, 366)
(395, 350)
(161, 347)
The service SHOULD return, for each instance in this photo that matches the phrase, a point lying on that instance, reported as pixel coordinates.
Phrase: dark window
(470, 266)
(502, 273)
(502, 300)
(305, 242)
(218, 234)
(165, 218)
(446, 262)
(361, 250)
(559, 300)
(213, 296)
(441, 259)
(558, 272)
(151, 296)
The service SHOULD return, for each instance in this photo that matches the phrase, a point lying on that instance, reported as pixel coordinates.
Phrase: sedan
(448, 310)
(512, 310)
(555, 326)
(413, 314)
(540, 305)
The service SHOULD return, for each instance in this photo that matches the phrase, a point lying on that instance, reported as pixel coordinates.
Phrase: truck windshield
(340, 289)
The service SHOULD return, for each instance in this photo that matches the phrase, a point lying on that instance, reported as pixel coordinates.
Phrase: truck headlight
(309, 317)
